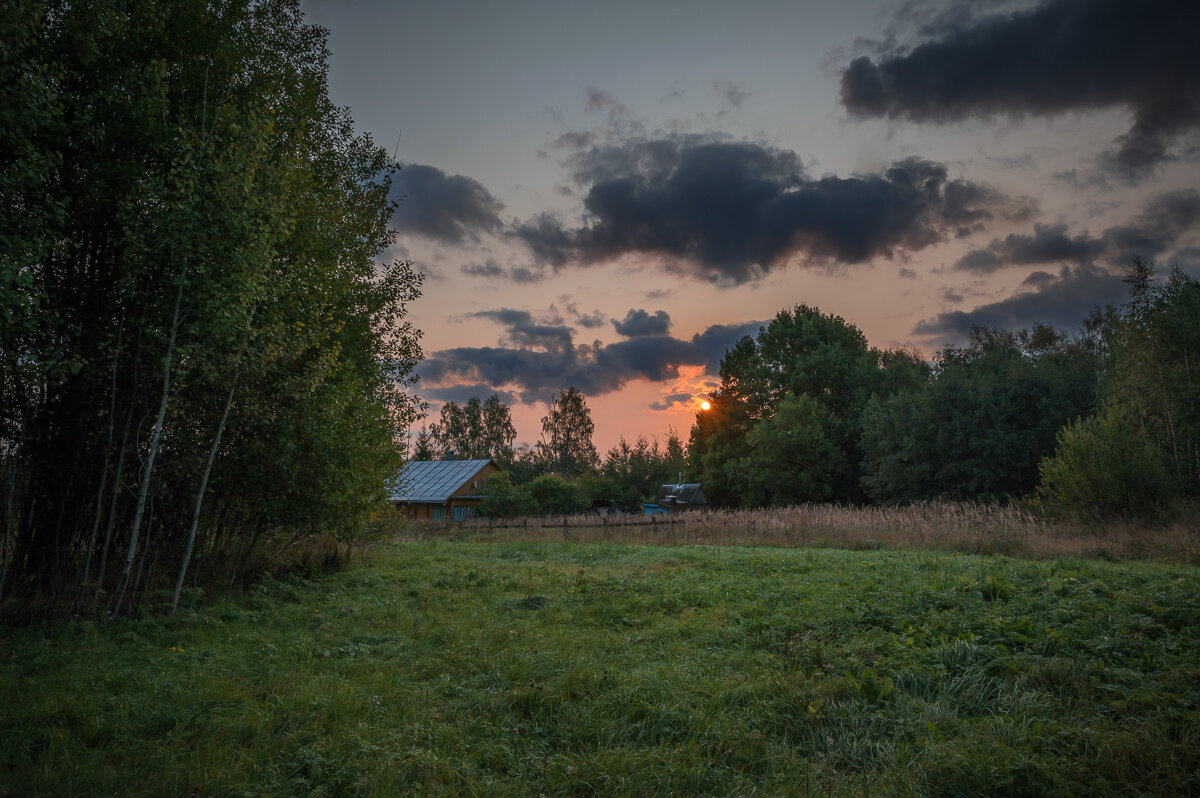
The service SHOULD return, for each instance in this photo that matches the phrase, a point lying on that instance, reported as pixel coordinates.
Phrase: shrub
(1105, 467)
(503, 499)
(556, 496)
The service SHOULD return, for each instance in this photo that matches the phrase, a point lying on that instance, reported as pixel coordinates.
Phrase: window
(439, 513)
(462, 513)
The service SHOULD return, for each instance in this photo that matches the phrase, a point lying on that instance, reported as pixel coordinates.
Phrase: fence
(955, 527)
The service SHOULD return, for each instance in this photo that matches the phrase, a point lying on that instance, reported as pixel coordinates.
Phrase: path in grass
(453, 668)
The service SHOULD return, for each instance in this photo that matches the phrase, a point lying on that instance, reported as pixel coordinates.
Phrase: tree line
(562, 473)
(1097, 424)
(197, 346)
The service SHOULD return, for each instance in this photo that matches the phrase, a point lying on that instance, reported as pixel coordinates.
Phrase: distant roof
(433, 480)
(687, 495)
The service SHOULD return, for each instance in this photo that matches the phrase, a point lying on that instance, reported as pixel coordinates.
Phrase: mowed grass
(562, 669)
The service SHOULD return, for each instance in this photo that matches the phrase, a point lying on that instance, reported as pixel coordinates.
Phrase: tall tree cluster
(982, 422)
(196, 345)
(471, 431)
(1102, 423)
(1139, 453)
(566, 445)
(785, 424)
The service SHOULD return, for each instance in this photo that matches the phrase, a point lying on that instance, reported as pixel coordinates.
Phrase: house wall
(474, 486)
(420, 511)
(469, 495)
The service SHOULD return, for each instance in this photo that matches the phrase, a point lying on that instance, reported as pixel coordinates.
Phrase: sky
(607, 195)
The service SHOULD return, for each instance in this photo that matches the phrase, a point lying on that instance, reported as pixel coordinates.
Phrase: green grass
(560, 669)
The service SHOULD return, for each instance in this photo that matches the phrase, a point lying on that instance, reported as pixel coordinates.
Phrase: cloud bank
(1063, 300)
(1060, 56)
(731, 211)
(1166, 221)
(538, 358)
(450, 209)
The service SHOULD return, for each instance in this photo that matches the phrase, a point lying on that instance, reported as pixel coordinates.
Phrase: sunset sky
(608, 194)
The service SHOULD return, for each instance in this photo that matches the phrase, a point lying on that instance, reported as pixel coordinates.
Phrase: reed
(938, 526)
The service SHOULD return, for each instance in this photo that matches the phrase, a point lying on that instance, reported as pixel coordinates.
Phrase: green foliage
(187, 217)
(801, 353)
(566, 446)
(504, 499)
(633, 472)
(554, 495)
(527, 463)
(1140, 454)
(978, 428)
(1156, 366)
(475, 431)
(793, 457)
(518, 669)
(1106, 466)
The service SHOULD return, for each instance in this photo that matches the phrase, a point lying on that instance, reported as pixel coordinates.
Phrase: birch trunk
(148, 471)
(191, 539)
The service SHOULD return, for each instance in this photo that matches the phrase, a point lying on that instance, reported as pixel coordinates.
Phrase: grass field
(533, 668)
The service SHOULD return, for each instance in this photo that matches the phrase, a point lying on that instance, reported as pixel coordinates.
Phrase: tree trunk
(191, 538)
(148, 470)
(112, 411)
(8, 525)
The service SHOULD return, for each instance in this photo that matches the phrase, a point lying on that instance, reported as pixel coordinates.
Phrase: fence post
(564, 527)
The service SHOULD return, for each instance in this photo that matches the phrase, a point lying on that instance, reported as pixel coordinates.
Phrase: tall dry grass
(967, 528)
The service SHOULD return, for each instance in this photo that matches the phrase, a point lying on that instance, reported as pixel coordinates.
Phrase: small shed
(441, 490)
(680, 497)
(613, 507)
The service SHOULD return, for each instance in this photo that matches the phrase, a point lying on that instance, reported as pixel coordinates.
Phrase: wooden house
(442, 490)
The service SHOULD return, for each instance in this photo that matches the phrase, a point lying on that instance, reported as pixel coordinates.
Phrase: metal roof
(433, 480)
(683, 495)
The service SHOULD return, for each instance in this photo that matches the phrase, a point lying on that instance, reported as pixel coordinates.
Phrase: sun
(705, 406)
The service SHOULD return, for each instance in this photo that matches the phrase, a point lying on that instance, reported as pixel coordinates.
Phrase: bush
(503, 499)
(1104, 467)
(556, 496)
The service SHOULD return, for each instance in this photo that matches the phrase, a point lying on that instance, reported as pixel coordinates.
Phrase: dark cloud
(1166, 219)
(447, 208)
(587, 320)
(1048, 244)
(712, 344)
(732, 93)
(1062, 55)
(1021, 163)
(618, 116)
(489, 269)
(523, 331)
(464, 393)
(729, 212)
(494, 271)
(639, 322)
(541, 359)
(672, 400)
(980, 260)
(1063, 301)
(521, 274)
